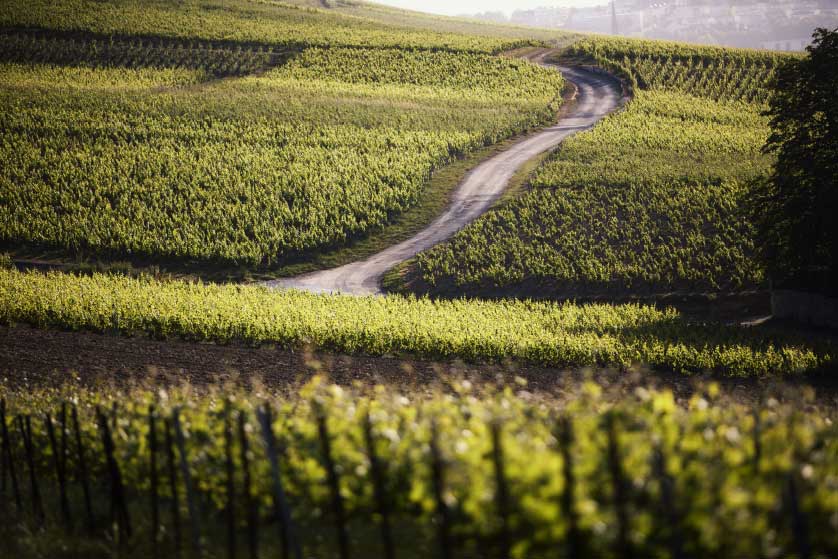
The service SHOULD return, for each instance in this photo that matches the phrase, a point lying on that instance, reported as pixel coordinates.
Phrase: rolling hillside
(132, 147)
(146, 411)
(648, 202)
(255, 152)
(239, 21)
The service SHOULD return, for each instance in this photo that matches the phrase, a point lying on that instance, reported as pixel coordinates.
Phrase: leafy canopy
(795, 208)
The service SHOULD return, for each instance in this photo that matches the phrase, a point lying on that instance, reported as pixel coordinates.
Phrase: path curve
(597, 95)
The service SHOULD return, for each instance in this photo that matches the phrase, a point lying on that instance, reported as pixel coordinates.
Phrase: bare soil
(29, 356)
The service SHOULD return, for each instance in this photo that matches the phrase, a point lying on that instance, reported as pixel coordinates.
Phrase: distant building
(775, 25)
(545, 17)
(596, 19)
(786, 44)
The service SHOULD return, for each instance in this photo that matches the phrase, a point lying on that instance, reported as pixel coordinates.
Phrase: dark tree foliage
(795, 209)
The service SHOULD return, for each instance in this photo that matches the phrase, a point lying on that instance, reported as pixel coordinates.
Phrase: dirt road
(597, 96)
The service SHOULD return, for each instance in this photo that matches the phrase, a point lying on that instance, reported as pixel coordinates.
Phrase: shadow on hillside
(78, 48)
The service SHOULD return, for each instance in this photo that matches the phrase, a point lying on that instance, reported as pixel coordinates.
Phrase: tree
(795, 209)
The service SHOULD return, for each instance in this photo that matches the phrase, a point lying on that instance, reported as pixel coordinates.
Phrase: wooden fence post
(249, 502)
(25, 426)
(231, 482)
(380, 490)
(438, 482)
(799, 522)
(171, 471)
(501, 490)
(62, 421)
(191, 503)
(333, 481)
(568, 498)
(64, 503)
(8, 459)
(619, 489)
(286, 523)
(82, 472)
(119, 506)
(153, 479)
(669, 504)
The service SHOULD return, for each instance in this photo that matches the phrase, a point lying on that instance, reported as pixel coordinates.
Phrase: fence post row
(669, 510)
(333, 481)
(379, 489)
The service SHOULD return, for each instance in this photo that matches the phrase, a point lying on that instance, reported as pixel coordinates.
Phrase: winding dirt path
(597, 96)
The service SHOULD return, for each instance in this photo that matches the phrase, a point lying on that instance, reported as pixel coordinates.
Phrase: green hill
(120, 140)
(647, 202)
(288, 130)
(213, 134)
(240, 21)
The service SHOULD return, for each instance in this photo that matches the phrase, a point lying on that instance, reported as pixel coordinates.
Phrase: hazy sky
(455, 7)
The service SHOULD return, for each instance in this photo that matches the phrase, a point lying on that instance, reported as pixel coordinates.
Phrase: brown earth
(30, 356)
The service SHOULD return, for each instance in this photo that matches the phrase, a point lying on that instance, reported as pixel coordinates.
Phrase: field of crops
(253, 132)
(557, 335)
(700, 71)
(401, 18)
(242, 21)
(647, 202)
(162, 163)
(218, 59)
(468, 473)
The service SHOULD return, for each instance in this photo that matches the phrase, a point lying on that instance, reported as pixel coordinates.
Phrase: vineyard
(218, 59)
(275, 24)
(140, 160)
(551, 334)
(240, 137)
(647, 202)
(700, 71)
(400, 18)
(331, 472)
